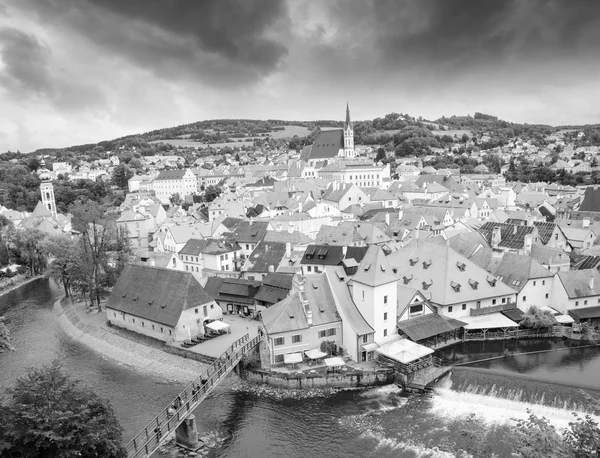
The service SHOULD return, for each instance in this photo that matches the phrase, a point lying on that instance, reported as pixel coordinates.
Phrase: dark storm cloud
(464, 33)
(218, 41)
(25, 61)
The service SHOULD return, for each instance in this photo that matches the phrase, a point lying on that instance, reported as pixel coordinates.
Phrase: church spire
(347, 116)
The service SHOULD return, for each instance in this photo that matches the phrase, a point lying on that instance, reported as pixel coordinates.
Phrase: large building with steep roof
(165, 304)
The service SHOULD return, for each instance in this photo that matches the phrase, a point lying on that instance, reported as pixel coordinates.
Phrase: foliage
(29, 244)
(211, 193)
(4, 337)
(330, 347)
(536, 318)
(535, 437)
(65, 260)
(121, 175)
(175, 199)
(583, 437)
(52, 416)
(251, 360)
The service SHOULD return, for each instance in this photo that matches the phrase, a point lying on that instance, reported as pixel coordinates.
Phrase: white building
(169, 182)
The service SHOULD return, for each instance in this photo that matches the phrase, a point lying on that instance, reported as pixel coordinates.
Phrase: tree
(380, 155)
(175, 199)
(121, 175)
(536, 318)
(65, 259)
(4, 337)
(29, 243)
(537, 438)
(211, 193)
(51, 416)
(583, 437)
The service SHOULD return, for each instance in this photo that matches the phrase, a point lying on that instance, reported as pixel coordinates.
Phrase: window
(115, 315)
(330, 332)
(248, 247)
(464, 306)
(195, 310)
(278, 358)
(205, 310)
(534, 282)
(385, 299)
(478, 304)
(169, 332)
(385, 316)
(366, 338)
(385, 333)
(493, 301)
(212, 306)
(524, 298)
(133, 320)
(546, 295)
(504, 300)
(153, 327)
(450, 309)
(279, 341)
(543, 282)
(323, 334)
(363, 294)
(186, 267)
(585, 302)
(162, 330)
(143, 326)
(309, 268)
(415, 308)
(297, 338)
(576, 303)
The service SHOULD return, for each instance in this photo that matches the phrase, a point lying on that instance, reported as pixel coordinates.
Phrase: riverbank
(128, 352)
(16, 282)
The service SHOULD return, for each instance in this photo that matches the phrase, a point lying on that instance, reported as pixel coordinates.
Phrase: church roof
(41, 210)
(326, 145)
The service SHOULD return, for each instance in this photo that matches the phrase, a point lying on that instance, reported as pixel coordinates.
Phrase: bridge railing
(148, 440)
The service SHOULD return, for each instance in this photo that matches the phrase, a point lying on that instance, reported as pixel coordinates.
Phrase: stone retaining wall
(297, 382)
(170, 348)
(125, 351)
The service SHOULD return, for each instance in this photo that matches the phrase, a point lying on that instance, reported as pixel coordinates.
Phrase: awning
(564, 319)
(315, 354)
(335, 361)
(490, 321)
(292, 358)
(217, 325)
(404, 350)
(370, 346)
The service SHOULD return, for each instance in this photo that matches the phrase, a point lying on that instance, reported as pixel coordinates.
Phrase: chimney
(271, 269)
(297, 283)
(344, 251)
(514, 230)
(586, 222)
(279, 227)
(496, 237)
(528, 244)
(299, 207)
(251, 221)
(591, 282)
(288, 250)
(308, 315)
(387, 218)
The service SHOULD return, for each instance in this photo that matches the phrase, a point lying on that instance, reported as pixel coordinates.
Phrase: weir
(180, 419)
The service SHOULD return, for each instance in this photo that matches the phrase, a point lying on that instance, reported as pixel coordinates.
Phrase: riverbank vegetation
(50, 415)
(4, 337)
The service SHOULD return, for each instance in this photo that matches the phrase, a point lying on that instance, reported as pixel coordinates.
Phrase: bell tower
(46, 189)
(348, 135)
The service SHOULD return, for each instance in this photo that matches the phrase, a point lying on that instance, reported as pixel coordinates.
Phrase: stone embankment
(142, 357)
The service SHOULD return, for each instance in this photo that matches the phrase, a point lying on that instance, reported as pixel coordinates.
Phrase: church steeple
(348, 135)
(347, 116)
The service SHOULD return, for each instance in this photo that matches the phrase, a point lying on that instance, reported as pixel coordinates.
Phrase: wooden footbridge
(147, 441)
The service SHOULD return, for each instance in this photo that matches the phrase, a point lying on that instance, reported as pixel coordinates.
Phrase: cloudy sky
(81, 71)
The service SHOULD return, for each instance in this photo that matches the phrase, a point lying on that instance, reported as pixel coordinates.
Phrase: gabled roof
(349, 312)
(545, 230)
(250, 231)
(577, 283)
(238, 289)
(230, 222)
(329, 255)
(264, 256)
(171, 175)
(290, 314)
(327, 144)
(283, 236)
(444, 276)
(515, 270)
(193, 247)
(336, 192)
(337, 235)
(374, 269)
(512, 236)
(159, 295)
(591, 200)
(429, 325)
(41, 211)
(278, 280)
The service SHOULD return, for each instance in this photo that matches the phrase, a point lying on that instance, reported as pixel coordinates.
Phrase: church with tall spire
(331, 145)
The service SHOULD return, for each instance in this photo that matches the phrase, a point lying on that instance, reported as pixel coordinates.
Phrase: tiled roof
(426, 326)
(337, 235)
(545, 230)
(327, 144)
(250, 232)
(283, 236)
(515, 270)
(577, 283)
(582, 262)
(330, 255)
(159, 295)
(591, 200)
(512, 236)
(265, 255)
(171, 175)
(443, 275)
(374, 269)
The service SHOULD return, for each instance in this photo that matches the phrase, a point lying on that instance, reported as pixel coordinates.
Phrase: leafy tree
(65, 259)
(29, 244)
(380, 155)
(120, 176)
(537, 438)
(4, 337)
(536, 318)
(51, 416)
(175, 199)
(211, 193)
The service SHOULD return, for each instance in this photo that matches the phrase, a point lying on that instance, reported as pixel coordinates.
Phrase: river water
(469, 411)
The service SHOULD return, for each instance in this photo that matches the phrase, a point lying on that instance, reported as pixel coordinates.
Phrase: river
(468, 411)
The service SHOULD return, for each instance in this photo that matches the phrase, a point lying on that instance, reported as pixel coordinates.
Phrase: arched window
(47, 195)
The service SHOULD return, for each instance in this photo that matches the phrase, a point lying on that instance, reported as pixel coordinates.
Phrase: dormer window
(407, 279)
(426, 264)
(461, 266)
(413, 261)
(474, 284)
(427, 285)
(455, 286)
(491, 281)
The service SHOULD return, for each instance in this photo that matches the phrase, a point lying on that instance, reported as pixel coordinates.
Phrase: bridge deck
(156, 432)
